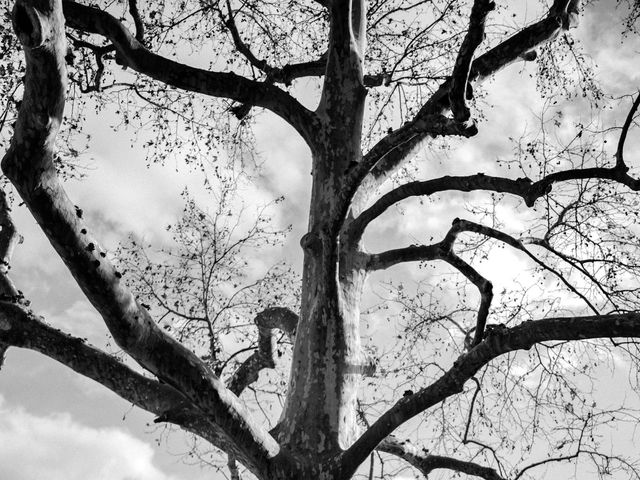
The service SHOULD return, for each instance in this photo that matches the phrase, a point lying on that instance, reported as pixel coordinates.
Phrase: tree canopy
(489, 361)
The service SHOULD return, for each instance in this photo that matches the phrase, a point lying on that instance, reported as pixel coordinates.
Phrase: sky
(55, 424)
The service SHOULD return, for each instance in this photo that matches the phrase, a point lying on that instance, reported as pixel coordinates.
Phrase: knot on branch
(241, 111)
(311, 242)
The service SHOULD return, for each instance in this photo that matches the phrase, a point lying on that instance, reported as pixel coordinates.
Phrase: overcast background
(57, 425)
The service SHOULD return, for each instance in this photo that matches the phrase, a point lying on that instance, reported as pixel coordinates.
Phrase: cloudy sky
(57, 425)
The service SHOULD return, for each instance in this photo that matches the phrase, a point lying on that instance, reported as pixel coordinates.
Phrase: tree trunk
(319, 418)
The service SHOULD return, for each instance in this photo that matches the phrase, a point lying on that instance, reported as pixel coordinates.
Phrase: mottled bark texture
(317, 436)
(9, 237)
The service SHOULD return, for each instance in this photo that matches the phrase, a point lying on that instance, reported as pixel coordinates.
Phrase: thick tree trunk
(319, 417)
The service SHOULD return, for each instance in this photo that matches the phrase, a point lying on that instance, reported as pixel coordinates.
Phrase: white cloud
(79, 319)
(56, 447)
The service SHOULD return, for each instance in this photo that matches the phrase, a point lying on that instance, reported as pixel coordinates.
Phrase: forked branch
(443, 251)
(20, 327)
(394, 148)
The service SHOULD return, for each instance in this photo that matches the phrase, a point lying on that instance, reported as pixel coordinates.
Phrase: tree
(428, 54)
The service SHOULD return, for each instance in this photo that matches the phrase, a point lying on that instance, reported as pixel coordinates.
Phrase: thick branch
(9, 237)
(343, 87)
(496, 342)
(218, 84)
(29, 165)
(425, 462)
(19, 327)
(22, 328)
(462, 68)
(137, 20)
(523, 187)
(412, 253)
(267, 321)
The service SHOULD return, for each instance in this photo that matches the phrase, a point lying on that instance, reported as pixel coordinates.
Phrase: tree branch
(20, 327)
(412, 253)
(443, 251)
(29, 165)
(241, 46)
(390, 151)
(523, 187)
(497, 341)
(484, 286)
(467, 226)
(267, 321)
(137, 20)
(422, 460)
(9, 238)
(462, 68)
(623, 135)
(218, 84)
